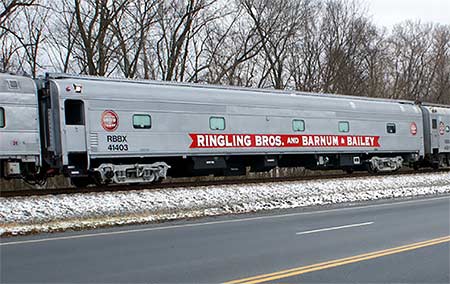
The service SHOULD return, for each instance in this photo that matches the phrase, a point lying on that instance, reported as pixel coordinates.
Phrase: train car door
(75, 126)
(434, 133)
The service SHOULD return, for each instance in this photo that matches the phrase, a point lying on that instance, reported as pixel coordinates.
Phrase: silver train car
(97, 130)
(20, 148)
(436, 121)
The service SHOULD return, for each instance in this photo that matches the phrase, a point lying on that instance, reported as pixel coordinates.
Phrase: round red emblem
(110, 120)
(413, 128)
(441, 128)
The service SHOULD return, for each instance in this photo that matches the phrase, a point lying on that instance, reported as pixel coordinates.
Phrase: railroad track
(173, 183)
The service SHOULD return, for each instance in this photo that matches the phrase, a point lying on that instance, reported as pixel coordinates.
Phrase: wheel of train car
(371, 169)
(151, 178)
(435, 165)
(349, 170)
(80, 181)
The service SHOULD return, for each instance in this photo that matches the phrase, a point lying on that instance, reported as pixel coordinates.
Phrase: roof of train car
(11, 85)
(223, 87)
(28, 88)
(24, 84)
(441, 109)
(432, 105)
(240, 100)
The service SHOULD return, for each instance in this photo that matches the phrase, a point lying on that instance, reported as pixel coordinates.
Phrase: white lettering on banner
(281, 140)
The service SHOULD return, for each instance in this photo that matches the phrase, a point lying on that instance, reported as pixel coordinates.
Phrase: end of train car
(436, 121)
(20, 148)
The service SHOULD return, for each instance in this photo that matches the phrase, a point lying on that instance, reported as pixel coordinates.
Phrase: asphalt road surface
(402, 241)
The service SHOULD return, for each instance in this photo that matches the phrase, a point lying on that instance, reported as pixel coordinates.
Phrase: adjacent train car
(122, 131)
(20, 149)
(436, 121)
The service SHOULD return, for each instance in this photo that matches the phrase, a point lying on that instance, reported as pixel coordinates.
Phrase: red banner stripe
(281, 141)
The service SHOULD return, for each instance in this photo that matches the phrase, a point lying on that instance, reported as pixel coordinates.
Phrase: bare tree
(229, 46)
(375, 64)
(11, 41)
(410, 45)
(276, 23)
(9, 46)
(93, 21)
(62, 37)
(9, 7)
(439, 80)
(305, 54)
(131, 29)
(178, 21)
(33, 35)
(23, 28)
(198, 52)
(344, 34)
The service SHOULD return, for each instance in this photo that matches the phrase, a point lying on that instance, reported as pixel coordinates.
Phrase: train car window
(217, 123)
(298, 125)
(434, 123)
(344, 126)
(142, 121)
(2, 118)
(74, 112)
(391, 128)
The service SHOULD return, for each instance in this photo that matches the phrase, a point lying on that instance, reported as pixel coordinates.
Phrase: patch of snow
(22, 215)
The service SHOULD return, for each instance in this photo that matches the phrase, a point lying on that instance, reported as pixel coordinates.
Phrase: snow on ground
(22, 215)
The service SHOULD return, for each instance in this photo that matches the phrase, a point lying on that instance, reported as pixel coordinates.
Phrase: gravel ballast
(24, 215)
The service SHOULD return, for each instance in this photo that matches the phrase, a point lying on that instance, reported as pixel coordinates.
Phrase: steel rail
(173, 183)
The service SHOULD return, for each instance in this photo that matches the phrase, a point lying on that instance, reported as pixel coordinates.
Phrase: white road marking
(334, 228)
(219, 222)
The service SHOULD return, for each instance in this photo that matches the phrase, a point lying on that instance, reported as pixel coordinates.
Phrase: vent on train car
(93, 139)
(13, 84)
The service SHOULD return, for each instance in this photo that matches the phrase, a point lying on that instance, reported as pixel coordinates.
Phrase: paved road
(424, 265)
(214, 250)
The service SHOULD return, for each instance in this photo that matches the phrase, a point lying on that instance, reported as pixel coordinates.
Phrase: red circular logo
(413, 128)
(441, 128)
(110, 120)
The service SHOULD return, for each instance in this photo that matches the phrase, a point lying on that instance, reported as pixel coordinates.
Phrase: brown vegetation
(328, 46)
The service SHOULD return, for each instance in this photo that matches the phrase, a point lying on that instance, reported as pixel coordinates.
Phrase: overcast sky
(389, 12)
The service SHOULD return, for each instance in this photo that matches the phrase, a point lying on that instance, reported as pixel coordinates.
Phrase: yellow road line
(337, 262)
